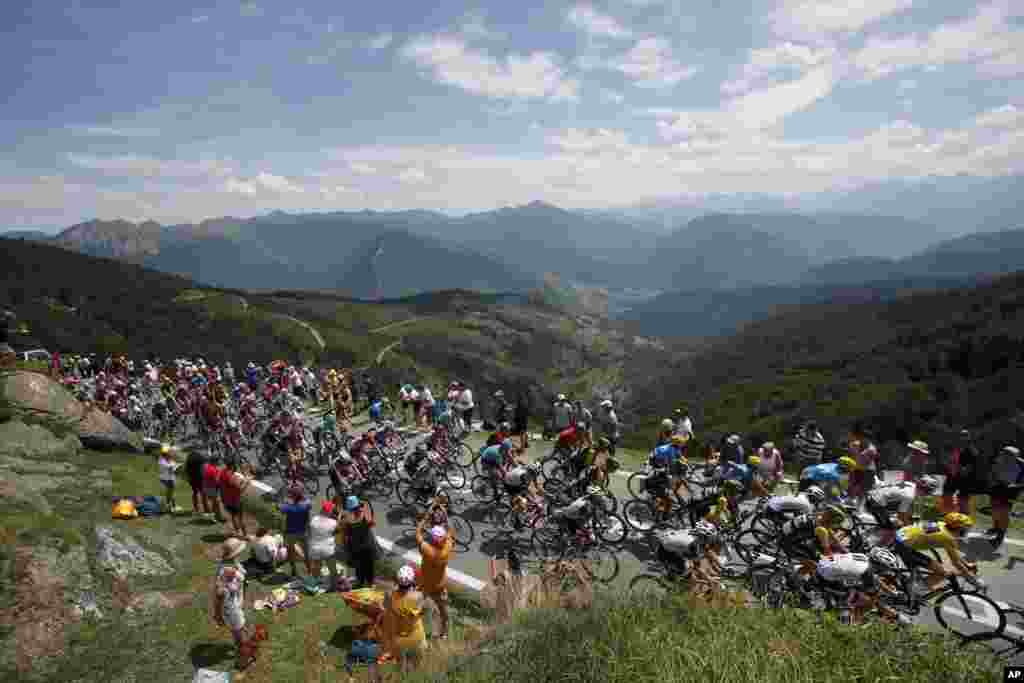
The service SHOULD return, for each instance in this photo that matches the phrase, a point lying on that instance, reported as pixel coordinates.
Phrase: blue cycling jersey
(491, 455)
(666, 455)
(375, 410)
(826, 472)
(741, 473)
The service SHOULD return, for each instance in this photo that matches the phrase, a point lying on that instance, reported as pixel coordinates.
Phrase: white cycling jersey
(899, 497)
(847, 569)
(682, 543)
(516, 476)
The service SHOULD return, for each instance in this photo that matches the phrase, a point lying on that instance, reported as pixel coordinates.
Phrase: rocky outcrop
(125, 557)
(94, 428)
(18, 439)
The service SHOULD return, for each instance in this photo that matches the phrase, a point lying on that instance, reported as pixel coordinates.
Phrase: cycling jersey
(375, 410)
(850, 570)
(516, 476)
(744, 474)
(720, 512)
(492, 456)
(805, 527)
(576, 510)
(666, 455)
(928, 535)
(797, 504)
(895, 498)
(826, 472)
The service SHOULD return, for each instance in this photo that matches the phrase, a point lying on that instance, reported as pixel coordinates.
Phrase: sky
(182, 111)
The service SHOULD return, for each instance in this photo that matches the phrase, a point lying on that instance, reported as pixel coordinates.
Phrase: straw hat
(232, 548)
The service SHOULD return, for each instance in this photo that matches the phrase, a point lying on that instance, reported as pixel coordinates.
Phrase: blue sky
(181, 111)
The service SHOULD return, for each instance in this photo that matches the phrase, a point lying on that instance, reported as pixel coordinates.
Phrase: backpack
(124, 509)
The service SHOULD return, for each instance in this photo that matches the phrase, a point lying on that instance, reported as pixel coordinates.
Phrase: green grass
(622, 642)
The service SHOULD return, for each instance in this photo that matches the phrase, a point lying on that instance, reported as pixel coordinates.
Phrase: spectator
(562, 413)
(402, 622)
(465, 406)
(683, 425)
(433, 581)
(211, 489)
(296, 514)
(56, 369)
(228, 603)
(771, 465)
(862, 479)
(964, 477)
(194, 464)
(406, 396)
(425, 408)
(232, 485)
(521, 422)
(732, 450)
(917, 460)
(321, 544)
(608, 424)
(809, 445)
(584, 421)
(267, 550)
(1006, 481)
(169, 466)
(357, 528)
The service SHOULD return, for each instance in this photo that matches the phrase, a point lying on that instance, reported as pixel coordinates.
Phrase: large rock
(95, 428)
(18, 439)
(125, 557)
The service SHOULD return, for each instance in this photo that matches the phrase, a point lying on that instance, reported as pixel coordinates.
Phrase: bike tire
(483, 489)
(464, 532)
(969, 613)
(455, 475)
(611, 528)
(464, 455)
(635, 485)
(404, 492)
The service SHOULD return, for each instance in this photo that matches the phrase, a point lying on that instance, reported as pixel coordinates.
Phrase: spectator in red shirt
(211, 488)
(232, 484)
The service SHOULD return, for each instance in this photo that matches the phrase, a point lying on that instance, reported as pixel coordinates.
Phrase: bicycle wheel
(636, 485)
(968, 614)
(455, 475)
(404, 492)
(751, 547)
(640, 515)
(648, 589)
(483, 489)
(464, 532)
(610, 528)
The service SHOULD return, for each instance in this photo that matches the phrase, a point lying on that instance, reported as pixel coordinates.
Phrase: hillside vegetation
(920, 366)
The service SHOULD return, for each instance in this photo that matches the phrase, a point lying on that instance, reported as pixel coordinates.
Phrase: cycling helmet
(815, 495)
(731, 487)
(667, 424)
(606, 403)
(754, 461)
(884, 558)
(705, 529)
(232, 424)
(351, 504)
(406, 577)
(505, 427)
(928, 484)
(499, 393)
(733, 439)
(847, 463)
(594, 491)
(679, 440)
(957, 520)
(834, 513)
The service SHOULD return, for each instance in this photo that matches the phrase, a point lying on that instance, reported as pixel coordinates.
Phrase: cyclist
(681, 550)
(781, 509)
(898, 499)
(718, 508)
(518, 480)
(808, 537)
(664, 433)
(857, 576)
(748, 475)
(362, 448)
(911, 540)
(503, 432)
(495, 459)
(576, 513)
(421, 470)
(827, 475)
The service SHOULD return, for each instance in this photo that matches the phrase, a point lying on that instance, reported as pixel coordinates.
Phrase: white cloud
(380, 42)
(650, 63)
(115, 131)
(812, 18)
(450, 61)
(149, 167)
(764, 65)
(767, 107)
(986, 39)
(589, 20)
(594, 140)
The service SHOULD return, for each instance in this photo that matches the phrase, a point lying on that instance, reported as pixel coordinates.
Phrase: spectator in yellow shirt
(433, 580)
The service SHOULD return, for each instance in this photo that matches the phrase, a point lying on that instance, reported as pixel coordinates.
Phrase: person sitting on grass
(401, 622)
(267, 550)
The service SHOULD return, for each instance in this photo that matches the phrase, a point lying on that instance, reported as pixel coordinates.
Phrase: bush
(618, 642)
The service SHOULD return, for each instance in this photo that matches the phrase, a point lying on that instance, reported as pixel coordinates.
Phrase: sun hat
(919, 446)
(165, 449)
(351, 504)
(327, 507)
(438, 534)
(232, 548)
(406, 576)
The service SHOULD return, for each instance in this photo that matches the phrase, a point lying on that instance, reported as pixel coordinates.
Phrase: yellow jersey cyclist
(912, 540)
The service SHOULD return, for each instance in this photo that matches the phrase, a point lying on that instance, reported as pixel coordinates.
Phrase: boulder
(125, 557)
(18, 439)
(95, 428)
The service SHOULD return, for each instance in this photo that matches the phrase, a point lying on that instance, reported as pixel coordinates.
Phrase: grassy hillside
(922, 366)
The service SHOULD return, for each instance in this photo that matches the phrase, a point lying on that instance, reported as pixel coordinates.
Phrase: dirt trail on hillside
(312, 330)
(396, 324)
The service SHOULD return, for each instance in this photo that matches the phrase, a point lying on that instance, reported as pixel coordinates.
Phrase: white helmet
(705, 529)
(884, 558)
(560, 397)
(815, 494)
(928, 484)
(606, 403)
